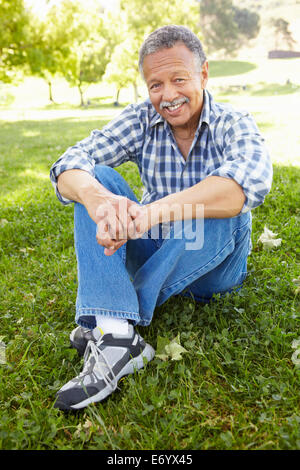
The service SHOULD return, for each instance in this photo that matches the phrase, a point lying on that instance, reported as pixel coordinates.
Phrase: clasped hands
(118, 220)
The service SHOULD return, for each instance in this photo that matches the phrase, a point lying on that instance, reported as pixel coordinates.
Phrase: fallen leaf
(52, 301)
(297, 284)
(172, 349)
(296, 343)
(83, 428)
(295, 358)
(3, 222)
(2, 351)
(268, 239)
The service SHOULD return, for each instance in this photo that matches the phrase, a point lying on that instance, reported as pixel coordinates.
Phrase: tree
(122, 69)
(226, 27)
(282, 32)
(71, 41)
(13, 37)
(248, 22)
(89, 45)
(86, 64)
(137, 19)
(218, 26)
(44, 56)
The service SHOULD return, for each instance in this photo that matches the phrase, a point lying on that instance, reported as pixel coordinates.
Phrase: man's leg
(105, 290)
(216, 267)
(104, 285)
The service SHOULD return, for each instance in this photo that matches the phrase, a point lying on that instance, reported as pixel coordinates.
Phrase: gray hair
(166, 37)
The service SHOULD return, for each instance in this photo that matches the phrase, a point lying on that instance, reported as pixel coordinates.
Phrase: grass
(221, 68)
(236, 387)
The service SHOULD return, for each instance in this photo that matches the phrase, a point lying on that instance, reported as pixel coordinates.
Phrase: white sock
(112, 325)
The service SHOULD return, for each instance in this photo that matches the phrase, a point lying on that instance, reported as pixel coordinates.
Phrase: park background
(67, 67)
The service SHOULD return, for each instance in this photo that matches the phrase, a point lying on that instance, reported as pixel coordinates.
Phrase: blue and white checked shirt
(227, 143)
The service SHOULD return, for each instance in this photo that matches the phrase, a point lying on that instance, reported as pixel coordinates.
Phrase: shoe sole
(133, 365)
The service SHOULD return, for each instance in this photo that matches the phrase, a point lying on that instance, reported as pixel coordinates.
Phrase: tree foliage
(282, 32)
(13, 37)
(248, 22)
(81, 42)
(137, 19)
(225, 27)
(71, 41)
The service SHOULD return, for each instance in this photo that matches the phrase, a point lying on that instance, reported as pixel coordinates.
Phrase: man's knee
(113, 181)
(106, 175)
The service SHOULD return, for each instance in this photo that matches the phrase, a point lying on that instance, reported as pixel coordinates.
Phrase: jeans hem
(83, 316)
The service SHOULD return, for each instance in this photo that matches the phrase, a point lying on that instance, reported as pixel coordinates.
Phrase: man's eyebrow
(176, 72)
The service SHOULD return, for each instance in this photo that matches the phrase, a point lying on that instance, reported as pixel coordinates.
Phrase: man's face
(175, 85)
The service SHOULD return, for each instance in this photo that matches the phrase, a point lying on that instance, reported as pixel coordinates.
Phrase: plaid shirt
(227, 143)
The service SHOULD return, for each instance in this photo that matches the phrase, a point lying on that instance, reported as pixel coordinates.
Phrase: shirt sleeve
(118, 142)
(246, 160)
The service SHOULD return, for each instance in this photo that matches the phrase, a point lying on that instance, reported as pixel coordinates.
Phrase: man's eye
(155, 85)
(179, 80)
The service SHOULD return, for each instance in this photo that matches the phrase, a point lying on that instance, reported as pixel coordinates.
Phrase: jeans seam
(90, 310)
(197, 271)
(247, 224)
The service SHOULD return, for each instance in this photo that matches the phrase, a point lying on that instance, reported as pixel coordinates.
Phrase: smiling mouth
(174, 105)
(172, 108)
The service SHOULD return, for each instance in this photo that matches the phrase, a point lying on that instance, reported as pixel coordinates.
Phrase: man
(203, 166)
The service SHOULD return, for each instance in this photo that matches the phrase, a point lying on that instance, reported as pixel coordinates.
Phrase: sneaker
(105, 362)
(80, 337)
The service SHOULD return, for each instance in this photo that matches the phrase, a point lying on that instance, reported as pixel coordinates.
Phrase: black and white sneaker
(80, 337)
(105, 362)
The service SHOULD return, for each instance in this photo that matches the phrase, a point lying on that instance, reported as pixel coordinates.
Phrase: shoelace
(92, 351)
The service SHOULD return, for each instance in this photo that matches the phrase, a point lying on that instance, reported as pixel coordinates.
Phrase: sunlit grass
(221, 68)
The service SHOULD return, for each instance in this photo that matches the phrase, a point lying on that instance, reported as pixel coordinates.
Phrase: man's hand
(116, 222)
(114, 215)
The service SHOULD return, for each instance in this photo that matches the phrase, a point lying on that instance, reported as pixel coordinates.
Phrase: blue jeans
(145, 272)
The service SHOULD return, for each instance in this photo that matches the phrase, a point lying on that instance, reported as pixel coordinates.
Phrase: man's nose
(169, 92)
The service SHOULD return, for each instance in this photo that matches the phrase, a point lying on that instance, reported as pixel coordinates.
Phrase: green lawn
(237, 387)
(221, 68)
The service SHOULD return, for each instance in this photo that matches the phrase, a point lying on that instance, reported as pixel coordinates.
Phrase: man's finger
(111, 251)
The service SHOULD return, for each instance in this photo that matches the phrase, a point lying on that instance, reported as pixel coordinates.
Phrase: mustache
(167, 104)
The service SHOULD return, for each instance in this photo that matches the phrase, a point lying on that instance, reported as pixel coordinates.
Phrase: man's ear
(204, 74)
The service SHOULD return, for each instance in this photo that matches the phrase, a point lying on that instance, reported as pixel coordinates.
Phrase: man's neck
(187, 131)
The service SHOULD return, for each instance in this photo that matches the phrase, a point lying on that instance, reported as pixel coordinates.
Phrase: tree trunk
(50, 91)
(81, 95)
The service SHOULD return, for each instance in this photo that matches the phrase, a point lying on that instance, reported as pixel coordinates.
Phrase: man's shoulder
(133, 116)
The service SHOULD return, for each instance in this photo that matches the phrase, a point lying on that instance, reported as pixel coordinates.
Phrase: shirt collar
(204, 118)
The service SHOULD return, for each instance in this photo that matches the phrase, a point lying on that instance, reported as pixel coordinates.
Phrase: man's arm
(213, 197)
(218, 197)
(80, 186)
(109, 211)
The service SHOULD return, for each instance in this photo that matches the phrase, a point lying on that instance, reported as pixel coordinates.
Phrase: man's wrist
(158, 212)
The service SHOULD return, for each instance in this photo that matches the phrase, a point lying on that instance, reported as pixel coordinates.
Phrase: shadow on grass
(94, 103)
(29, 148)
(223, 68)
